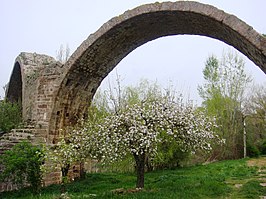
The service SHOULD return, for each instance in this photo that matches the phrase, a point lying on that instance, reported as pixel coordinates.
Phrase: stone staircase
(262, 178)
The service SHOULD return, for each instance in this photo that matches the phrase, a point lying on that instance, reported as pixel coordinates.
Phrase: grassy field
(226, 179)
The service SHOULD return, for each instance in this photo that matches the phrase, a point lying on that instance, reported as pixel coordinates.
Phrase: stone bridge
(54, 95)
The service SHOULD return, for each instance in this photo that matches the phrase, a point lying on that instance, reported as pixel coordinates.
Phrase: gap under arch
(14, 89)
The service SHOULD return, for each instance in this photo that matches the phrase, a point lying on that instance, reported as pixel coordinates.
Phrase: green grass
(214, 180)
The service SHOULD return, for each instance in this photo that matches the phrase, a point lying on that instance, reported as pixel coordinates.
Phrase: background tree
(223, 95)
(255, 113)
(63, 53)
(4, 90)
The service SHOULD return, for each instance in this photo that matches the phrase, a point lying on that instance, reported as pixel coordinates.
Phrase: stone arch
(26, 82)
(104, 49)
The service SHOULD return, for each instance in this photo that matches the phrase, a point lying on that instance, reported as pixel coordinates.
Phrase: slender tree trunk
(148, 164)
(140, 168)
(81, 170)
(64, 171)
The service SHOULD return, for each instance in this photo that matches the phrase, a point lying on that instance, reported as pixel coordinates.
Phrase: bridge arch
(26, 84)
(103, 50)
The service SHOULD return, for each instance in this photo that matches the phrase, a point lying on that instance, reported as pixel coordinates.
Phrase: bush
(22, 165)
(262, 148)
(10, 116)
(169, 156)
(252, 151)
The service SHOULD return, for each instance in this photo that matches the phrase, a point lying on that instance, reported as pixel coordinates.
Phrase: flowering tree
(138, 128)
(69, 150)
(75, 145)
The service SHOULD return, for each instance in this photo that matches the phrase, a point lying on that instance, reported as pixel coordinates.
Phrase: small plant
(22, 166)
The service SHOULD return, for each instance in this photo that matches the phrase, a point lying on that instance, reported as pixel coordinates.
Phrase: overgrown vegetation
(10, 115)
(22, 166)
(216, 180)
(255, 110)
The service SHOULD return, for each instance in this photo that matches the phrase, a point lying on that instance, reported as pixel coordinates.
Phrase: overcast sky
(42, 26)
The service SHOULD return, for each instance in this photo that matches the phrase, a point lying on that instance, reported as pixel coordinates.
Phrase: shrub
(22, 165)
(169, 156)
(263, 148)
(10, 115)
(252, 151)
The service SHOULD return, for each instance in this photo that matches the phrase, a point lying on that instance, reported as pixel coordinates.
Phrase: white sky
(42, 26)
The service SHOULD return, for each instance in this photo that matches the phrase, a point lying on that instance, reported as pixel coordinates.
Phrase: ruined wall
(34, 84)
(40, 77)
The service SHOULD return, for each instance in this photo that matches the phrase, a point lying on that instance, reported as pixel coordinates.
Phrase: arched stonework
(33, 83)
(104, 49)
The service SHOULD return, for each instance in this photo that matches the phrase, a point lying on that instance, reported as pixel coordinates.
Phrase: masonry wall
(40, 76)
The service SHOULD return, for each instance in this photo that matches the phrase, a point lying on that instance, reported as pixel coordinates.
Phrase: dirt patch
(258, 162)
(238, 185)
(123, 191)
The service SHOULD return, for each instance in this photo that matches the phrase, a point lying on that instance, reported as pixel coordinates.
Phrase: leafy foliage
(169, 155)
(255, 110)
(223, 94)
(263, 148)
(22, 165)
(252, 150)
(10, 115)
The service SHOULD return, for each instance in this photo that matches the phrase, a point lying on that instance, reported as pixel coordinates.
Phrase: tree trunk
(148, 164)
(64, 171)
(140, 167)
(81, 170)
